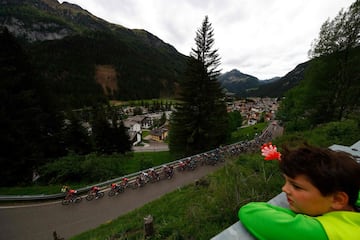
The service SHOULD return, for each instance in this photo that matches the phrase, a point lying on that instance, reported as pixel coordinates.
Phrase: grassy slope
(209, 206)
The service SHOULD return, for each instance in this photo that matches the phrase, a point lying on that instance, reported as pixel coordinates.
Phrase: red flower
(270, 152)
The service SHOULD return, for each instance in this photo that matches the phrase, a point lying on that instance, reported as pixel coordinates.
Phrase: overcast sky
(263, 38)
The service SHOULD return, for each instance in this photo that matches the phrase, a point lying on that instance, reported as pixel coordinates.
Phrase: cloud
(259, 37)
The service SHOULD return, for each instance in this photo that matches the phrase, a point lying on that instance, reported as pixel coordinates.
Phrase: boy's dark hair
(329, 171)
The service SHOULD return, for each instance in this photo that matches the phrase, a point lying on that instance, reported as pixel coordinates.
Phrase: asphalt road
(38, 221)
(152, 146)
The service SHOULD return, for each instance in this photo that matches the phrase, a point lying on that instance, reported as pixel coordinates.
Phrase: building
(159, 134)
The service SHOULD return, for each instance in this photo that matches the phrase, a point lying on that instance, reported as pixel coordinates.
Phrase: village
(252, 110)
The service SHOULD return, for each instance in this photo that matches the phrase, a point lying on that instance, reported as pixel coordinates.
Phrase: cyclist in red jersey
(70, 194)
(125, 182)
(95, 190)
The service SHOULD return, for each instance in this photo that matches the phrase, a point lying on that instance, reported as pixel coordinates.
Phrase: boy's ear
(340, 201)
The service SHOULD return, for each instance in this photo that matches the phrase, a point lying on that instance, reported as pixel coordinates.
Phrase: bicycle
(73, 199)
(91, 195)
(115, 189)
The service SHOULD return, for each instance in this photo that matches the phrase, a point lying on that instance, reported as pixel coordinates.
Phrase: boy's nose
(285, 188)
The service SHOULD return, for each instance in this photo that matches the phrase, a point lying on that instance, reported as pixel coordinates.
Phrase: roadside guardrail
(84, 190)
(131, 177)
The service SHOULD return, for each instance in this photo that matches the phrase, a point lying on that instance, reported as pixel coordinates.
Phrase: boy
(322, 189)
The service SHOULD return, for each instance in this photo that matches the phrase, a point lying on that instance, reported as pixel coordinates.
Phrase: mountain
(266, 81)
(244, 85)
(84, 58)
(238, 82)
(278, 87)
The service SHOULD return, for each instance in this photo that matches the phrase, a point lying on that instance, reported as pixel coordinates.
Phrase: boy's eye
(296, 186)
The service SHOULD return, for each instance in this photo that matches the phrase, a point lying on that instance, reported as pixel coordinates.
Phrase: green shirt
(266, 222)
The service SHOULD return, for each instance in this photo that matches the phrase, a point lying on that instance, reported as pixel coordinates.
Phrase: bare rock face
(40, 20)
(36, 31)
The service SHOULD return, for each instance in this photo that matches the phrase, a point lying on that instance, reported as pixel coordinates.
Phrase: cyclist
(165, 168)
(125, 182)
(182, 165)
(95, 190)
(144, 176)
(70, 194)
(151, 171)
(138, 181)
(153, 174)
(168, 171)
(114, 185)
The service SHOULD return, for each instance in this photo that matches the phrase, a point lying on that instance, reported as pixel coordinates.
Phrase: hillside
(280, 86)
(244, 85)
(83, 58)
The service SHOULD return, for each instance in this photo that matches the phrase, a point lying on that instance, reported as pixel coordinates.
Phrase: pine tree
(124, 144)
(76, 136)
(101, 131)
(110, 135)
(199, 121)
(26, 126)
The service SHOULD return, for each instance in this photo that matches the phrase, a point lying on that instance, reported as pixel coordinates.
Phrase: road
(38, 221)
(152, 146)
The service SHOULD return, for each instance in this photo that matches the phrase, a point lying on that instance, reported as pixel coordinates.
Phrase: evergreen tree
(76, 136)
(25, 122)
(199, 121)
(109, 133)
(101, 131)
(124, 144)
(119, 138)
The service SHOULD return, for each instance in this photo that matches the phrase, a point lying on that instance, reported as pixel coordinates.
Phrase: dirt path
(38, 221)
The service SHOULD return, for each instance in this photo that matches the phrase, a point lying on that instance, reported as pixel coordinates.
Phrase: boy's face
(304, 197)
